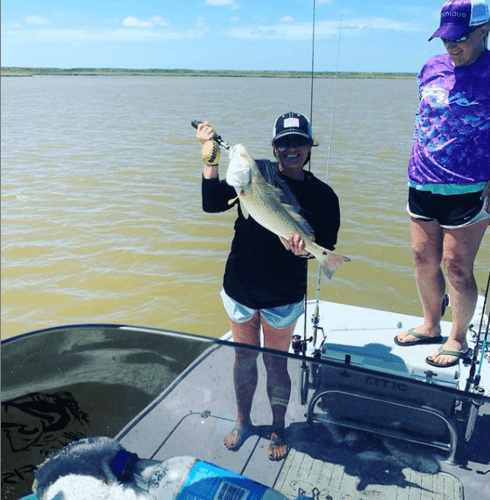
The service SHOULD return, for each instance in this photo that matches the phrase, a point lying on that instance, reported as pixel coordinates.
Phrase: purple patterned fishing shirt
(452, 129)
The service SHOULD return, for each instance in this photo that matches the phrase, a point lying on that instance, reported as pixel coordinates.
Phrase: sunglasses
(285, 143)
(459, 40)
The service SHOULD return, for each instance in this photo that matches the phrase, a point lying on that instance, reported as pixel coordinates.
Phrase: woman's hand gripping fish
(262, 201)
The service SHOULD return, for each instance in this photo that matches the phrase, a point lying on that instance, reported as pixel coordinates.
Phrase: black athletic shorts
(451, 211)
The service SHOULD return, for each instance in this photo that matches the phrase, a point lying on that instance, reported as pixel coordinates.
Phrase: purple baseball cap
(459, 17)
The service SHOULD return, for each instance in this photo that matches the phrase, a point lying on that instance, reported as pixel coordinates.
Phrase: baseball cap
(292, 124)
(458, 17)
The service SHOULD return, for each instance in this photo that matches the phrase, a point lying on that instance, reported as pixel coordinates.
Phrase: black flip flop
(457, 354)
(423, 339)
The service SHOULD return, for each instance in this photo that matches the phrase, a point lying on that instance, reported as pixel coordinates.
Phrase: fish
(262, 202)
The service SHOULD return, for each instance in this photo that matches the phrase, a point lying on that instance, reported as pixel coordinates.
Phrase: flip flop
(423, 339)
(241, 433)
(277, 439)
(457, 354)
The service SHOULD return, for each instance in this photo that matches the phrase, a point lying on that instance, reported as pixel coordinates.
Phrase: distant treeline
(20, 71)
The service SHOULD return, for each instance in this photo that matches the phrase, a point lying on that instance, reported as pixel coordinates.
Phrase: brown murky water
(101, 208)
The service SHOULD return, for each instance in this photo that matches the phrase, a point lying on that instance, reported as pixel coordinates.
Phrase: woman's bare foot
(278, 448)
(240, 433)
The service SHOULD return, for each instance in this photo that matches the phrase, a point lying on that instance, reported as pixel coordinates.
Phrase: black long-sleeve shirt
(260, 273)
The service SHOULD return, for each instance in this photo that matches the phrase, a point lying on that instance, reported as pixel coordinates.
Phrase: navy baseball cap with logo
(292, 124)
(459, 17)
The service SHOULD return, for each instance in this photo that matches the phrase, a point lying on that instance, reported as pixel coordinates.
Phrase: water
(101, 203)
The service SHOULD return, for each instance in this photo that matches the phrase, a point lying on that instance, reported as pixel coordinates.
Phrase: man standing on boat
(449, 176)
(265, 279)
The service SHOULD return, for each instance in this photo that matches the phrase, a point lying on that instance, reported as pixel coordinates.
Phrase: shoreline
(12, 71)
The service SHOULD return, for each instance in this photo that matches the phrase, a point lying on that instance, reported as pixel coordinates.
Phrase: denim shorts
(278, 317)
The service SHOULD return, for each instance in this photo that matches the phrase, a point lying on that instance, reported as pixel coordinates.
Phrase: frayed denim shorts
(278, 317)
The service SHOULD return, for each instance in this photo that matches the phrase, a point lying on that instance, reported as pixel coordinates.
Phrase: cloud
(323, 29)
(230, 4)
(88, 35)
(287, 19)
(36, 20)
(358, 26)
(134, 22)
(281, 31)
(201, 22)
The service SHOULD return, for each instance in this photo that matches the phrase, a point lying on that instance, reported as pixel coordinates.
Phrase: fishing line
(312, 64)
(334, 93)
(472, 380)
(316, 318)
(309, 165)
(484, 344)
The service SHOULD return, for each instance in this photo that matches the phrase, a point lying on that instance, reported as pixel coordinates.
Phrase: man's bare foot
(278, 448)
(240, 433)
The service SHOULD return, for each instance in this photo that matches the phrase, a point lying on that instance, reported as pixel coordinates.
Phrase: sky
(350, 35)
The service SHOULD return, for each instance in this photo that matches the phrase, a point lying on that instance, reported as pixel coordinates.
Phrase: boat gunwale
(457, 393)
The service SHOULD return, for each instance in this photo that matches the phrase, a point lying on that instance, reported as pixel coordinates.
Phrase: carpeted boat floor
(360, 479)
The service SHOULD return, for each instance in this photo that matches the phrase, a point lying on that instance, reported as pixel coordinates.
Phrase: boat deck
(325, 460)
(367, 419)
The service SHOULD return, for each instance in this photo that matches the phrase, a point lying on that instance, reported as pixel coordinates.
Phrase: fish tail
(331, 261)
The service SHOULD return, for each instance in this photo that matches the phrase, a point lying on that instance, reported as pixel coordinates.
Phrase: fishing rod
(316, 314)
(298, 345)
(472, 379)
(216, 137)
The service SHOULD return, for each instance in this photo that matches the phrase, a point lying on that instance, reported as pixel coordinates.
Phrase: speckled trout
(262, 201)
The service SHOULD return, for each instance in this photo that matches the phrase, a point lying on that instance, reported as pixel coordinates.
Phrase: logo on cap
(291, 122)
(459, 16)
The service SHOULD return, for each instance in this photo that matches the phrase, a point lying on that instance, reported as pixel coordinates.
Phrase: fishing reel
(310, 371)
(299, 345)
(217, 138)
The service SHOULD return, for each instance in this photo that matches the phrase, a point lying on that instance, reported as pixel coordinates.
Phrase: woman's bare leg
(244, 376)
(460, 250)
(427, 248)
(278, 385)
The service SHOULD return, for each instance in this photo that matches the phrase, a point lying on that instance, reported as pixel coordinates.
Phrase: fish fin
(244, 211)
(286, 246)
(303, 223)
(330, 261)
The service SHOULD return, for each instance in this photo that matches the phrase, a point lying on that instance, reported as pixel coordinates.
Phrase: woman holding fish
(285, 215)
